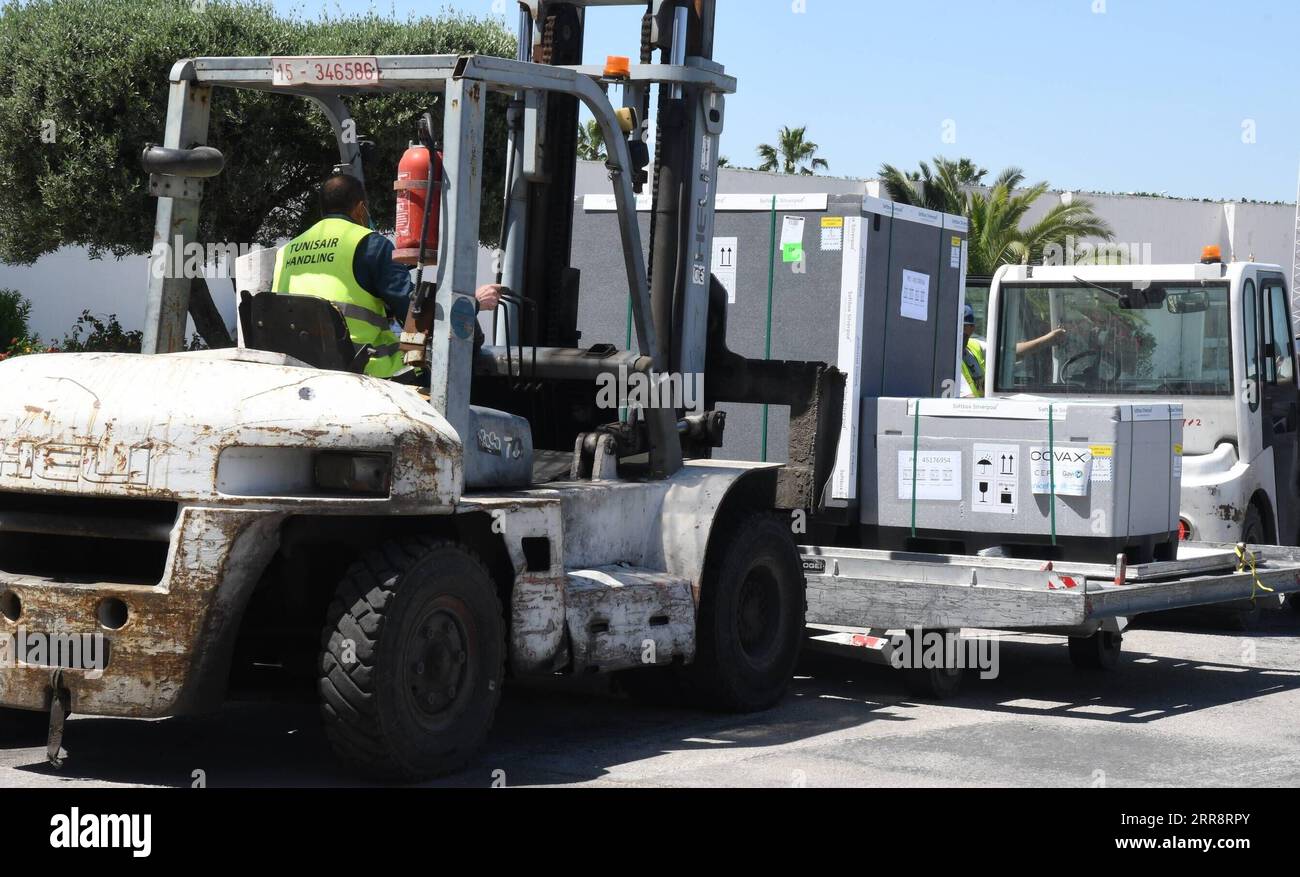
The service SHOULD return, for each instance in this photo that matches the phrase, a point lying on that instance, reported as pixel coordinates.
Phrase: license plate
(351, 70)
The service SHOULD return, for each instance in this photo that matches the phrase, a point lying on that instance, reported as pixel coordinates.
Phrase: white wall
(62, 284)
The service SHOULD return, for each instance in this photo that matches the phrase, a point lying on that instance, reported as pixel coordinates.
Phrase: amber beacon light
(617, 67)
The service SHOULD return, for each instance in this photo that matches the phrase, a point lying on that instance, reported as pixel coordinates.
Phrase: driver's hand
(488, 296)
(1056, 336)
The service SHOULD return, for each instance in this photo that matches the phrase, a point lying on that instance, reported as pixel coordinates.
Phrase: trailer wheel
(751, 618)
(938, 683)
(1101, 651)
(933, 683)
(412, 660)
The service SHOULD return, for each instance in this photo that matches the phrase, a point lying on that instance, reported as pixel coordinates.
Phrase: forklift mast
(539, 198)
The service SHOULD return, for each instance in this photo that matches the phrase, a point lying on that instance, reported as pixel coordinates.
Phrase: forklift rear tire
(751, 618)
(412, 660)
(1101, 651)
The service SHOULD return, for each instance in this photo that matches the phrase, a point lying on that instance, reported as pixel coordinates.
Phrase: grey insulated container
(1029, 476)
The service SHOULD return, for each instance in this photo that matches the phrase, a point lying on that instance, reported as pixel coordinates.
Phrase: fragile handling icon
(995, 479)
(984, 465)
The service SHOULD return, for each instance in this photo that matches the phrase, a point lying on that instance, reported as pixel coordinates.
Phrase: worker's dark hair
(340, 193)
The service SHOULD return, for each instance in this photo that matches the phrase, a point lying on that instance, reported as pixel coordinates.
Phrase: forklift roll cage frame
(464, 81)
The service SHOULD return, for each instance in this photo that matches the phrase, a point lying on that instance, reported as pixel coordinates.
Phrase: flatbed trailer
(873, 601)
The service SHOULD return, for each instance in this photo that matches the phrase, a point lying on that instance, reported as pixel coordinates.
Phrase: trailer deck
(868, 588)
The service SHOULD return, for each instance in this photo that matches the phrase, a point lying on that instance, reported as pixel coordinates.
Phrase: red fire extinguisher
(414, 176)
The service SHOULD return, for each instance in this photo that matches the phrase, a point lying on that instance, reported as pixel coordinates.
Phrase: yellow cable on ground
(1246, 556)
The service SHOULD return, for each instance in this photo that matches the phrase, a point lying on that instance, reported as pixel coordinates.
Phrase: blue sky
(1106, 95)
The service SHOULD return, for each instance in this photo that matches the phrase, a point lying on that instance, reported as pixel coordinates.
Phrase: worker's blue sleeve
(380, 276)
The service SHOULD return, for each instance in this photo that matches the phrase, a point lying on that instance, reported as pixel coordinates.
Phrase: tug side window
(1250, 347)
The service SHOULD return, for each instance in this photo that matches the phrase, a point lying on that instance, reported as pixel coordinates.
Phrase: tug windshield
(1104, 339)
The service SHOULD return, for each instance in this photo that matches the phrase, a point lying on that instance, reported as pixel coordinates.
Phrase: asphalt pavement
(1190, 705)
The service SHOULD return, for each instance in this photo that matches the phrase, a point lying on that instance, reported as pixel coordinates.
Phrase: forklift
(413, 545)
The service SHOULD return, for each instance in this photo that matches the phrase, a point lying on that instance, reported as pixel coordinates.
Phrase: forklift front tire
(412, 660)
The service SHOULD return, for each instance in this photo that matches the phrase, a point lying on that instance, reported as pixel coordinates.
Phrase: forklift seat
(304, 327)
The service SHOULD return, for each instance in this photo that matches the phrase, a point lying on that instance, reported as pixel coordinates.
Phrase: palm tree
(591, 142)
(792, 150)
(943, 189)
(996, 237)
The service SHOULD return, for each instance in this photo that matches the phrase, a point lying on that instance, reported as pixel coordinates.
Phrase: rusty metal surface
(82, 424)
(537, 597)
(660, 527)
(167, 658)
(620, 617)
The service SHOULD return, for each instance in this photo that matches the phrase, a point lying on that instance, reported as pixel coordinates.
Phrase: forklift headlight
(361, 474)
(304, 473)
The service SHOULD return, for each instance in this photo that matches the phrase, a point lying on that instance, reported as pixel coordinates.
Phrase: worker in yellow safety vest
(342, 260)
(974, 354)
(972, 357)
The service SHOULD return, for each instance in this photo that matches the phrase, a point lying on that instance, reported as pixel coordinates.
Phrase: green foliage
(24, 347)
(83, 86)
(792, 154)
(97, 334)
(15, 310)
(942, 189)
(996, 237)
(591, 142)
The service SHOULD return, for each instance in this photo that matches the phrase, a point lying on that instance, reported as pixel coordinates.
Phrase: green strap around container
(771, 282)
(889, 273)
(916, 442)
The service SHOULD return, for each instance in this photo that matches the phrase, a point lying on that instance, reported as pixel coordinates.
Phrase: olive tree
(83, 86)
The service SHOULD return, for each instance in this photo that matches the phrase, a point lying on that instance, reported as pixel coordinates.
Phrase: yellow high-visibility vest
(972, 366)
(318, 263)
